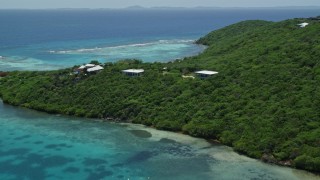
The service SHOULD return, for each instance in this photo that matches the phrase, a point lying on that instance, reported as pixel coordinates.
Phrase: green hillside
(265, 101)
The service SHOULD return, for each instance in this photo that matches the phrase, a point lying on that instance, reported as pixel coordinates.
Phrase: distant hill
(135, 7)
(264, 102)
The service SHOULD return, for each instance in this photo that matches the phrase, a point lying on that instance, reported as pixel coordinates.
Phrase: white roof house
(205, 72)
(82, 67)
(95, 68)
(133, 72)
(302, 25)
(90, 65)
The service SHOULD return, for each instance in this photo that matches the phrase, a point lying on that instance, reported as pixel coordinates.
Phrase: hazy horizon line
(137, 7)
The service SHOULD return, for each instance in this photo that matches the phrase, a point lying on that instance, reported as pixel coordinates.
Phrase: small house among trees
(133, 72)
(205, 73)
(95, 68)
(302, 25)
(90, 68)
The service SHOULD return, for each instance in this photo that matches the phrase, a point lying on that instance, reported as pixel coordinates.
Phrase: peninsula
(264, 102)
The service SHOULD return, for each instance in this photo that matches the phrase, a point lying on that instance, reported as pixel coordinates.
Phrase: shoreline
(211, 142)
(204, 143)
(198, 147)
(221, 108)
(103, 53)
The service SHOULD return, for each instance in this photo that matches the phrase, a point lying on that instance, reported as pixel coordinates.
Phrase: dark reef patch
(51, 146)
(141, 133)
(22, 137)
(29, 167)
(99, 175)
(54, 161)
(94, 162)
(15, 152)
(57, 146)
(141, 157)
(120, 176)
(71, 170)
(117, 165)
(168, 141)
(100, 168)
(38, 142)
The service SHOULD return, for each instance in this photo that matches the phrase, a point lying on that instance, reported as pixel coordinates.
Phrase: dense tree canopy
(265, 101)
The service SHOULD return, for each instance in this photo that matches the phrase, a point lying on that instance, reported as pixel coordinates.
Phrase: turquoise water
(36, 145)
(54, 39)
(57, 55)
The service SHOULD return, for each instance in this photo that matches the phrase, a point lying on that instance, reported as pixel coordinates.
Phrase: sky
(43, 4)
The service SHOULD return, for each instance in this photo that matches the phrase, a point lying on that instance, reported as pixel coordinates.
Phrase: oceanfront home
(87, 68)
(90, 65)
(133, 72)
(205, 73)
(82, 67)
(95, 68)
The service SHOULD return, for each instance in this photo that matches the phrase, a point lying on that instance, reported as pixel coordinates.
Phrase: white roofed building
(95, 68)
(302, 25)
(133, 72)
(90, 65)
(205, 73)
(82, 67)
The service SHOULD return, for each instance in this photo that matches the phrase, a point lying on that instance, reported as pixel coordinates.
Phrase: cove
(36, 145)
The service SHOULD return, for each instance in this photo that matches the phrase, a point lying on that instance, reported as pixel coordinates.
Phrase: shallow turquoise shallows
(54, 39)
(36, 145)
(48, 57)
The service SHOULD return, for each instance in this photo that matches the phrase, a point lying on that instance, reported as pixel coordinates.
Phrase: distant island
(137, 7)
(264, 102)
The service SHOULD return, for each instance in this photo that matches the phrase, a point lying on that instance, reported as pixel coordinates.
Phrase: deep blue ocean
(35, 145)
(51, 39)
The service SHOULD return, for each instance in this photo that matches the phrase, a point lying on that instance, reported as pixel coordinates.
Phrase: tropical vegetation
(265, 101)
